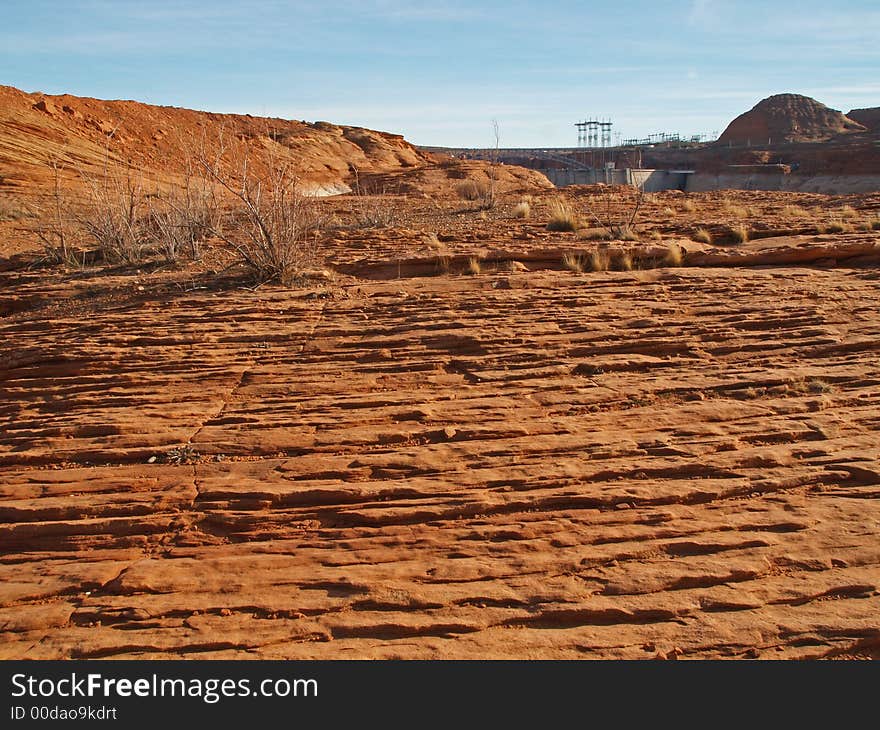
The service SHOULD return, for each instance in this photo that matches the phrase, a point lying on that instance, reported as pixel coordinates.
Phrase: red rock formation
(788, 118)
(869, 117)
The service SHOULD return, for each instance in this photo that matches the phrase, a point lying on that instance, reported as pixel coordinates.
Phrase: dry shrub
(600, 261)
(627, 234)
(115, 215)
(734, 209)
(573, 262)
(792, 211)
(701, 235)
(278, 226)
(623, 262)
(562, 217)
(431, 239)
(740, 234)
(668, 212)
(473, 266)
(656, 235)
(833, 226)
(185, 217)
(674, 255)
(847, 212)
(593, 234)
(375, 212)
(522, 210)
(689, 206)
(477, 191)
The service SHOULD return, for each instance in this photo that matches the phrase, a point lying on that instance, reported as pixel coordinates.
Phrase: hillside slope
(37, 129)
(788, 118)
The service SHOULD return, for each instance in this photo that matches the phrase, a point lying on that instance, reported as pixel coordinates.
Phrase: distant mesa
(788, 118)
(869, 117)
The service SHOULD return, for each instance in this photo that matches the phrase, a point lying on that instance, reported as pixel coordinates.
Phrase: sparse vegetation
(688, 206)
(184, 218)
(847, 212)
(701, 235)
(735, 210)
(793, 211)
(833, 226)
(522, 210)
(740, 234)
(278, 225)
(562, 217)
(472, 190)
(600, 260)
(624, 262)
(573, 262)
(593, 234)
(674, 255)
(473, 266)
(374, 211)
(115, 216)
(804, 386)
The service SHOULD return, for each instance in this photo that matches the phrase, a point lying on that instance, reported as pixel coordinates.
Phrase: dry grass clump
(473, 266)
(875, 224)
(470, 189)
(847, 212)
(600, 261)
(593, 234)
(375, 212)
(668, 212)
(522, 209)
(573, 262)
(562, 217)
(793, 211)
(689, 206)
(674, 255)
(656, 235)
(478, 191)
(701, 235)
(833, 226)
(431, 239)
(734, 209)
(803, 386)
(627, 234)
(623, 262)
(740, 234)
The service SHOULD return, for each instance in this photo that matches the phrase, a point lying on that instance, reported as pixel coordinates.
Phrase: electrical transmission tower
(594, 133)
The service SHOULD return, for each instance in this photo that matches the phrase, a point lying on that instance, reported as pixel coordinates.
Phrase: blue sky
(439, 73)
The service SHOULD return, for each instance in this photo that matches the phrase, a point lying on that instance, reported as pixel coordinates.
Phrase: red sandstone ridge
(869, 117)
(37, 130)
(788, 118)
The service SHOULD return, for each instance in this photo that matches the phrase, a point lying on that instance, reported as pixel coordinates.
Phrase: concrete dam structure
(694, 182)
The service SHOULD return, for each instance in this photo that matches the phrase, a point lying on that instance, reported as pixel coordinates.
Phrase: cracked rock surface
(527, 464)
